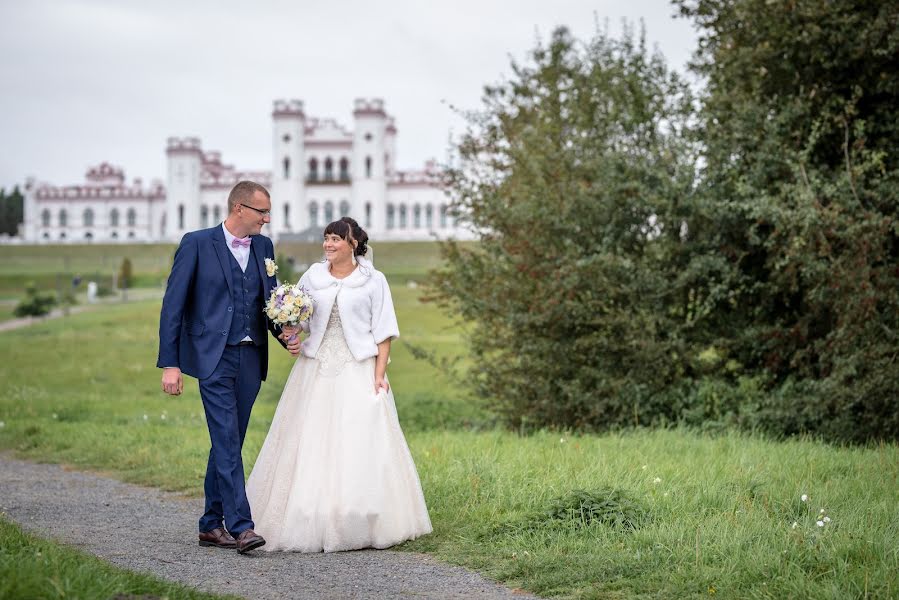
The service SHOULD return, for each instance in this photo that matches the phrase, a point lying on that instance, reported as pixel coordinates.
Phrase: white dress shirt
(241, 254)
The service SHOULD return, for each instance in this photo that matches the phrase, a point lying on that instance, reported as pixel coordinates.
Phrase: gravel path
(144, 529)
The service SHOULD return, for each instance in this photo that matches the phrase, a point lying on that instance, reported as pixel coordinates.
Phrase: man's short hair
(243, 193)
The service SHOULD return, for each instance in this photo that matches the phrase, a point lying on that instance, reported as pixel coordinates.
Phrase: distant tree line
(649, 256)
(11, 211)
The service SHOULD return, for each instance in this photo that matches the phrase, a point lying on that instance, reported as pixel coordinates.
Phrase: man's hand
(172, 381)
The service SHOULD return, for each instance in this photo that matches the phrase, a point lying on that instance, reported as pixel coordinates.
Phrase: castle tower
(288, 168)
(369, 173)
(28, 229)
(182, 212)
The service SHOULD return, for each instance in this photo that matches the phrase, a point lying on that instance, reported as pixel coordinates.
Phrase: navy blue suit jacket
(196, 310)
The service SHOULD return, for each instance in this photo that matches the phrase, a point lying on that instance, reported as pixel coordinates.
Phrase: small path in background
(144, 529)
(133, 296)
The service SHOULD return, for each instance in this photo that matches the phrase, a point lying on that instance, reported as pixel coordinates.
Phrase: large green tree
(578, 175)
(800, 127)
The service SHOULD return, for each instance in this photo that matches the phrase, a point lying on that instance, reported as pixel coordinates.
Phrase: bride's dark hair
(348, 229)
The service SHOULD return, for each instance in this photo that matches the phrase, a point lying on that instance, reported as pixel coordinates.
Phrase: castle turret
(369, 187)
(183, 194)
(288, 167)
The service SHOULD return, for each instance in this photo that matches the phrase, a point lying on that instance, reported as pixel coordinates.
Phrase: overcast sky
(86, 81)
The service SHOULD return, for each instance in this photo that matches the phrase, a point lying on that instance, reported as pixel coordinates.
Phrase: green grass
(34, 568)
(84, 391)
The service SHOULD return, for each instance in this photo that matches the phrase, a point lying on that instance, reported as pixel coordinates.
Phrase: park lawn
(31, 567)
(716, 513)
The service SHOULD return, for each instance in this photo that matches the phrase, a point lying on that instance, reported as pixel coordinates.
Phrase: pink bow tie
(241, 242)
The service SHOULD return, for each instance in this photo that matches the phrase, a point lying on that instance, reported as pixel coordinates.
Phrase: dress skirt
(335, 472)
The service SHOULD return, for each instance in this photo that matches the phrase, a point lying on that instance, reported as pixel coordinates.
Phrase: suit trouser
(228, 396)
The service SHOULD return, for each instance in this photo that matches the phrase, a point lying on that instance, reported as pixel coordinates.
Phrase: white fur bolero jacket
(363, 301)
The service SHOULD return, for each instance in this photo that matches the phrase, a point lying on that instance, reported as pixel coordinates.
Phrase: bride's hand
(288, 331)
(381, 384)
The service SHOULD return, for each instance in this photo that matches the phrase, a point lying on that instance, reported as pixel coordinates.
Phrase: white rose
(270, 267)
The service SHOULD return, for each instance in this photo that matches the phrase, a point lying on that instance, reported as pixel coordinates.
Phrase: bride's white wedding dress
(334, 472)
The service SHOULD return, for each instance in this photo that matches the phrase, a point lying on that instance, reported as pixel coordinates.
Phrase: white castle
(320, 172)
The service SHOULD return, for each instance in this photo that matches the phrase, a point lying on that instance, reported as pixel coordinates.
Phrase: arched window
(132, 216)
(344, 169)
(443, 215)
(217, 213)
(180, 216)
(114, 217)
(204, 216)
(313, 169)
(344, 208)
(329, 212)
(368, 214)
(368, 166)
(329, 169)
(403, 216)
(391, 216)
(287, 216)
(416, 215)
(88, 217)
(313, 214)
(45, 218)
(286, 163)
(429, 216)
(63, 217)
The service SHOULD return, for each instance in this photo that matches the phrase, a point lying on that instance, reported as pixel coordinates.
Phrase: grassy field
(35, 568)
(699, 516)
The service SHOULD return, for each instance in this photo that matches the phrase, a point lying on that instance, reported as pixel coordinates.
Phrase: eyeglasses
(264, 213)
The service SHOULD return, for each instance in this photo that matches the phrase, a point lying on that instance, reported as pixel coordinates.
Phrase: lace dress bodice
(333, 354)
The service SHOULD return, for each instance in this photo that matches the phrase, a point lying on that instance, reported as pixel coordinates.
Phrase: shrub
(35, 304)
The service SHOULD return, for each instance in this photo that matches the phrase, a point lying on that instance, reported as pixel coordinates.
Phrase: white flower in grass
(819, 523)
(561, 440)
(657, 480)
(804, 497)
(55, 416)
(2, 424)
(826, 519)
(821, 512)
(162, 417)
(146, 417)
(643, 467)
(793, 526)
(665, 494)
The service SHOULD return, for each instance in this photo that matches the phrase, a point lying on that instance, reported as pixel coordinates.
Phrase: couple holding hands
(335, 472)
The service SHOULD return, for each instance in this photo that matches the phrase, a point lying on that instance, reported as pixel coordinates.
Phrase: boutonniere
(270, 267)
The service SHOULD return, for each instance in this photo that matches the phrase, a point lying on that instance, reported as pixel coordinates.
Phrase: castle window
(114, 217)
(329, 169)
(63, 218)
(313, 214)
(313, 169)
(429, 216)
(88, 217)
(344, 169)
(62, 235)
(402, 216)
(368, 166)
(443, 218)
(88, 236)
(45, 218)
(368, 214)
(287, 216)
(391, 217)
(132, 217)
(416, 212)
(46, 236)
(286, 138)
(217, 213)
(130, 235)
(180, 216)
(115, 235)
(344, 209)
(329, 211)
(286, 163)
(367, 137)
(204, 216)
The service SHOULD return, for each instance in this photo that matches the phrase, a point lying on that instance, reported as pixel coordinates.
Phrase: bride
(334, 472)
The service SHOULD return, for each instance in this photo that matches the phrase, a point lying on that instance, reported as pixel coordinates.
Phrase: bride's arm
(381, 367)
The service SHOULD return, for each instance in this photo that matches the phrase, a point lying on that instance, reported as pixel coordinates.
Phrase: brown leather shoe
(249, 540)
(217, 537)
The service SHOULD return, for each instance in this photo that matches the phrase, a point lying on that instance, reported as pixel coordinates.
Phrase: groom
(212, 327)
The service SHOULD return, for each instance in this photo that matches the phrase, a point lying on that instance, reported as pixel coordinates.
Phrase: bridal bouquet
(289, 305)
